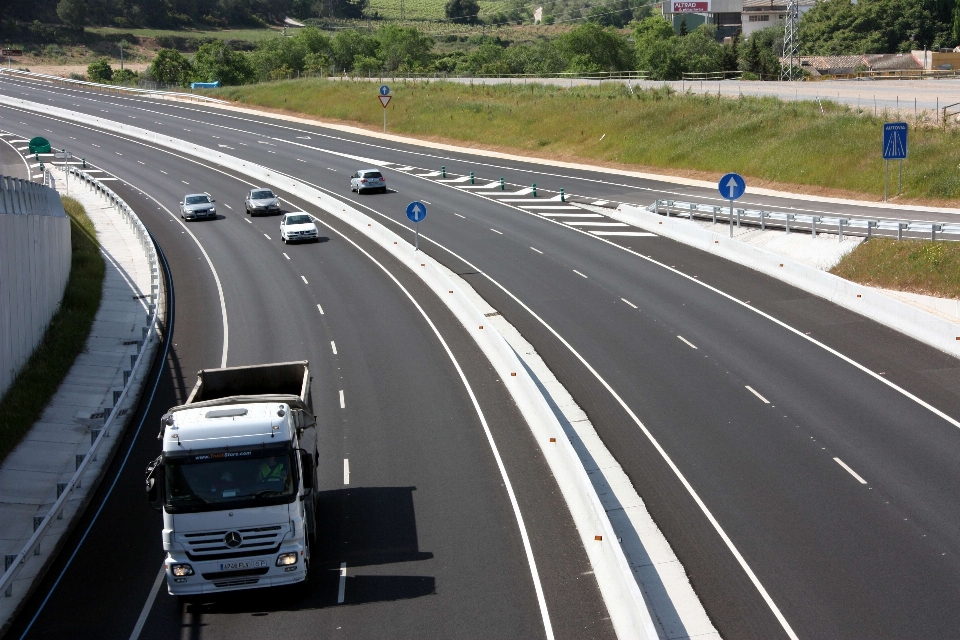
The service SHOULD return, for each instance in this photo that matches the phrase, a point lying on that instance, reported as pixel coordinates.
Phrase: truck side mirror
(154, 479)
(306, 463)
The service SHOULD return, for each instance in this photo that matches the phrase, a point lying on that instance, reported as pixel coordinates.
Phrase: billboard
(689, 6)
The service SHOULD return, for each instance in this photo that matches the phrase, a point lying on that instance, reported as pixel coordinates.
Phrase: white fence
(13, 563)
(34, 268)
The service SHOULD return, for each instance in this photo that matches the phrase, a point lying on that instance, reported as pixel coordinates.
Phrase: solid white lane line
(537, 250)
(148, 605)
(692, 346)
(304, 280)
(579, 274)
(343, 403)
(343, 582)
(495, 231)
(320, 309)
(754, 392)
(852, 472)
(333, 347)
(346, 471)
(629, 303)
(286, 256)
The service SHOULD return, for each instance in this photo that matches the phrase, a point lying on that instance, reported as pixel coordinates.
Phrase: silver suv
(368, 180)
(262, 201)
(197, 205)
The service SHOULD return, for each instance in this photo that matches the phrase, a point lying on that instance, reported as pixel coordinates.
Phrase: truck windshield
(215, 480)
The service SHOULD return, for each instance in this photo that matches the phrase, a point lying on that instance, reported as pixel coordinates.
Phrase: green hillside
(426, 9)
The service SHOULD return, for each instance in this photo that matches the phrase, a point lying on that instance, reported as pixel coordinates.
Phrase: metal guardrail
(22, 197)
(591, 75)
(41, 524)
(713, 75)
(111, 87)
(804, 222)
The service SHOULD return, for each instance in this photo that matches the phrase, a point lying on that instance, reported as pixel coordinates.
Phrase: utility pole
(121, 56)
(791, 46)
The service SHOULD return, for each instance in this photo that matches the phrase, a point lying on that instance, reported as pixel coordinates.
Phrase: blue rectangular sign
(894, 140)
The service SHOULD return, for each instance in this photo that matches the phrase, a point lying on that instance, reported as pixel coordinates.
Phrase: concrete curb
(866, 301)
(624, 601)
(30, 570)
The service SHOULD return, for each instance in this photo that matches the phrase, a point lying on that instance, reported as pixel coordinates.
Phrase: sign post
(64, 155)
(416, 212)
(384, 100)
(732, 186)
(894, 148)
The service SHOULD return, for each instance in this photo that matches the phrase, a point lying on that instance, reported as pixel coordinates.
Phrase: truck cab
(236, 481)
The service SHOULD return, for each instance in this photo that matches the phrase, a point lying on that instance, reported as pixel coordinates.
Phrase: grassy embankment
(931, 268)
(64, 338)
(771, 142)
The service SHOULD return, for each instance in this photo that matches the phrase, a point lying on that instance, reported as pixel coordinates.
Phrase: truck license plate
(235, 566)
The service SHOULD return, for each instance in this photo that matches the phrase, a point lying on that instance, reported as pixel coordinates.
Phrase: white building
(729, 16)
(757, 14)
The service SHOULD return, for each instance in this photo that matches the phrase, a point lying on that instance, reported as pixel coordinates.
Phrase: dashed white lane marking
(142, 162)
(600, 203)
(346, 471)
(343, 582)
(228, 206)
(185, 182)
(754, 392)
(458, 215)
(571, 215)
(632, 234)
(163, 172)
(247, 221)
(693, 346)
(333, 347)
(299, 160)
(320, 309)
(266, 236)
(579, 274)
(495, 231)
(629, 303)
(304, 280)
(574, 223)
(343, 402)
(95, 145)
(286, 256)
(851, 471)
(537, 250)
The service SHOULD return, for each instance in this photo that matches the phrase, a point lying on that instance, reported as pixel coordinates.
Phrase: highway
(799, 458)
(423, 520)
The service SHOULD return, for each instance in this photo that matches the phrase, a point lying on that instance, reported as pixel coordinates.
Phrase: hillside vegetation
(917, 266)
(765, 139)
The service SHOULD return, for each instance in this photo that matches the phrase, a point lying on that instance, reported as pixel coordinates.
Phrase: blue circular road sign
(732, 186)
(416, 211)
(384, 90)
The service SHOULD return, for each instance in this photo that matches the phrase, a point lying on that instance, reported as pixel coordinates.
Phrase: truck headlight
(181, 570)
(287, 558)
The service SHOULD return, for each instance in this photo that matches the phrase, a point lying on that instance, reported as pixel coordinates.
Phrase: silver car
(197, 205)
(262, 201)
(368, 180)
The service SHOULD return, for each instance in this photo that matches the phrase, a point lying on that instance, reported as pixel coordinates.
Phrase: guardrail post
(8, 560)
(789, 218)
(840, 223)
(813, 220)
(900, 227)
(933, 231)
(693, 208)
(739, 211)
(715, 211)
(763, 225)
(870, 225)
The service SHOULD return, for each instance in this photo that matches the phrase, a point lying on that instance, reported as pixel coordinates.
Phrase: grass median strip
(915, 266)
(64, 339)
(773, 142)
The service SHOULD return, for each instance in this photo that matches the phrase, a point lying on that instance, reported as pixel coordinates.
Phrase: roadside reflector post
(501, 184)
(471, 177)
(443, 172)
(534, 189)
(563, 198)
(84, 162)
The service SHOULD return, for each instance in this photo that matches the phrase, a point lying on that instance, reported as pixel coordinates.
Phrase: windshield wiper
(266, 492)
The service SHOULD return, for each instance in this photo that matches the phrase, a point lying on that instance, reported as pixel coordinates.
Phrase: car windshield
(208, 481)
(298, 220)
(372, 174)
(262, 195)
(197, 199)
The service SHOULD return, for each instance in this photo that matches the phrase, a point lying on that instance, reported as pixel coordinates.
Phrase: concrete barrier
(34, 269)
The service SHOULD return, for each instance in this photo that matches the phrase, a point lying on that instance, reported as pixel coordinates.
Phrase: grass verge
(773, 142)
(64, 339)
(917, 266)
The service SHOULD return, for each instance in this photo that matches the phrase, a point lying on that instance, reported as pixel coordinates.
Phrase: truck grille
(213, 545)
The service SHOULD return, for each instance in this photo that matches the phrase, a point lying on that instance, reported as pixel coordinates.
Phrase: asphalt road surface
(817, 448)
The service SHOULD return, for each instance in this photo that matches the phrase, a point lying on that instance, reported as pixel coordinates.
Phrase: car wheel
(383, 190)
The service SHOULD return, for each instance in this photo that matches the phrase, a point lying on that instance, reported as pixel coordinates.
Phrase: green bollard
(534, 189)
(443, 172)
(563, 198)
(471, 177)
(84, 162)
(501, 184)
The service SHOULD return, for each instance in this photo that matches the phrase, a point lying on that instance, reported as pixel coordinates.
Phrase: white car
(368, 180)
(298, 227)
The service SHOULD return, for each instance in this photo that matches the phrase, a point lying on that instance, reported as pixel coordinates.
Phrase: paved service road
(808, 464)
(425, 526)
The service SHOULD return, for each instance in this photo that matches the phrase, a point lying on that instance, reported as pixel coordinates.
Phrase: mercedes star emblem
(233, 539)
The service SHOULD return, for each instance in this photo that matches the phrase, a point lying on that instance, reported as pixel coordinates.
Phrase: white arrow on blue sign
(384, 90)
(416, 211)
(732, 186)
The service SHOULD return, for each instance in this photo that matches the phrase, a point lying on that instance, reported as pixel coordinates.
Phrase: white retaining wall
(34, 268)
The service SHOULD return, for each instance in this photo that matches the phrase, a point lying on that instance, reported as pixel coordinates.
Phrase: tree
(837, 27)
(100, 71)
(955, 26)
(217, 61)
(72, 12)
(615, 14)
(596, 48)
(700, 49)
(171, 67)
(403, 47)
(463, 11)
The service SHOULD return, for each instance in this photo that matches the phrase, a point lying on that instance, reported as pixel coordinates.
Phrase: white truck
(236, 480)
